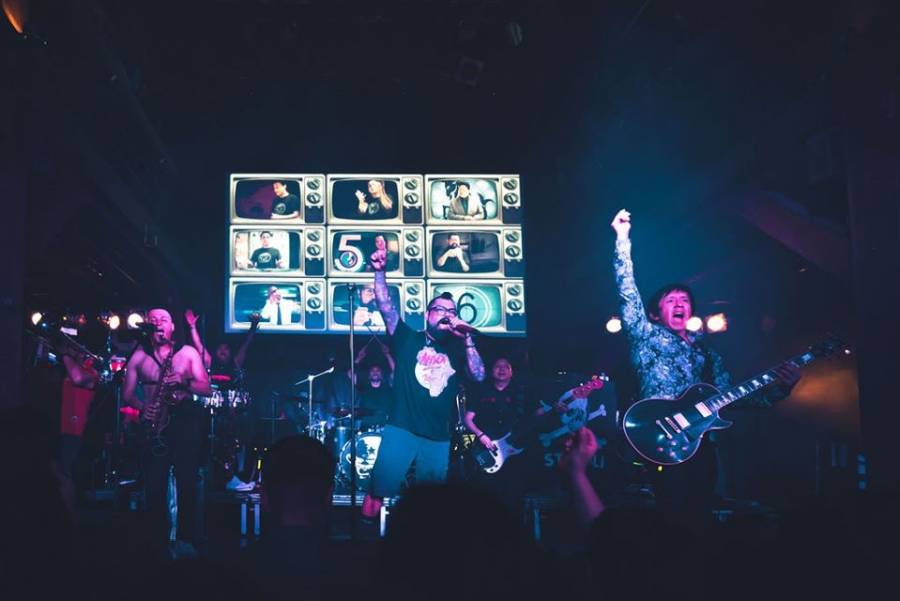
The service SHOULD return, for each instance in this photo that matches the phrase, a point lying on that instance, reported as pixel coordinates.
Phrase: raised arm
(574, 461)
(386, 307)
(241, 355)
(191, 318)
(473, 360)
(634, 317)
(80, 376)
(386, 351)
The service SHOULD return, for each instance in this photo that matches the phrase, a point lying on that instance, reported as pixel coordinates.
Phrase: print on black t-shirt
(265, 258)
(426, 383)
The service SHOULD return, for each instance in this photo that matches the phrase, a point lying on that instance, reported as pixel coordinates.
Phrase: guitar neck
(754, 384)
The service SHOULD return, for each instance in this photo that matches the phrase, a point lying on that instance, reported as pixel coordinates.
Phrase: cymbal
(360, 412)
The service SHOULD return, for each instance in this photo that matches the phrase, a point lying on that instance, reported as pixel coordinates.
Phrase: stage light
(134, 320)
(113, 322)
(694, 324)
(716, 323)
(614, 325)
(16, 12)
(36, 317)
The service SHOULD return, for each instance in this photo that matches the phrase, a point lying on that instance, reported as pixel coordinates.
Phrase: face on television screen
(273, 199)
(365, 199)
(365, 308)
(464, 199)
(465, 252)
(276, 303)
(350, 250)
(481, 305)
(262, 250)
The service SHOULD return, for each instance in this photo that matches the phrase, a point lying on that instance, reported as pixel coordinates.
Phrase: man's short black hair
(443, 295)
(297, 470)
(262, 233)
(653, 304)
(460, 184)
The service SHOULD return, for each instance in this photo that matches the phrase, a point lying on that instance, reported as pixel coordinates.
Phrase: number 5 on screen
(350, 257)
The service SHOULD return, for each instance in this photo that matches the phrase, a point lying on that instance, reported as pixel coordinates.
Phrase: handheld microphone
(462, 326)
(147, 328)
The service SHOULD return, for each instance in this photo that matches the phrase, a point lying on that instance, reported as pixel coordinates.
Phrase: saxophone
(160, 401)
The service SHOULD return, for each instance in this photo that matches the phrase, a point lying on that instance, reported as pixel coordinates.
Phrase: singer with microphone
(160, 367)
(429, 366)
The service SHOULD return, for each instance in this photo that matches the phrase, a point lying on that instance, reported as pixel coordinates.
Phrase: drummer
(226, 368)
(375, 398)
(227, 373)
(376, 395)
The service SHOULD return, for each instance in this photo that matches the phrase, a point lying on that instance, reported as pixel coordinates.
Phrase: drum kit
(333, 429)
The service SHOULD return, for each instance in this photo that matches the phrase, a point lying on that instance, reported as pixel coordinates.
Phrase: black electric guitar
(491, 460)
(669, 431)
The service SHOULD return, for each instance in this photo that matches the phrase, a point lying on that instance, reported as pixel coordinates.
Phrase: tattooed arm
(474, 364)
(388, 311)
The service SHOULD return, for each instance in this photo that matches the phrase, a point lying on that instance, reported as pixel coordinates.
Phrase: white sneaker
(238, 485)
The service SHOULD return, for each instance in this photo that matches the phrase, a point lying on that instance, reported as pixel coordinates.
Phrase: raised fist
(621, 223)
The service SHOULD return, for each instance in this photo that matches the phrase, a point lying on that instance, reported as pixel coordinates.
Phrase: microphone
(147, 328)
(462, 326)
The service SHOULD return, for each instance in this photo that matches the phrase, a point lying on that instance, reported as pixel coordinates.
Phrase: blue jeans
(399, 448)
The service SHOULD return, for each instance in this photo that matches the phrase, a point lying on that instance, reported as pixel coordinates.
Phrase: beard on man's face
(438, 332)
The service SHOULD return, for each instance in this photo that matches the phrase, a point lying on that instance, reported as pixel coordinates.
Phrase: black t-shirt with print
(426, 382)
(497, 411)
(265, 258)
(285, 205)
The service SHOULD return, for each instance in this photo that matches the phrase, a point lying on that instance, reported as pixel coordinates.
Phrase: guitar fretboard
(748, 387)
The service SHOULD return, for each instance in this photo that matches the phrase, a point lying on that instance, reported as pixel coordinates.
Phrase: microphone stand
(351, 290)
(310, 378)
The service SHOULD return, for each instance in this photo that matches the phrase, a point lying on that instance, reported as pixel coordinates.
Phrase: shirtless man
(180, 443)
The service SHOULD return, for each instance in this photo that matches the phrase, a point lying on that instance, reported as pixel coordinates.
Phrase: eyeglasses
(443, 310)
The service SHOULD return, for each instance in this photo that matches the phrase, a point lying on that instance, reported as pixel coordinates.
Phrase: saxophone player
(165, 372)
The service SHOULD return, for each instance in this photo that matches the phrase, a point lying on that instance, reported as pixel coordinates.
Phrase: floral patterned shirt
(666, 364)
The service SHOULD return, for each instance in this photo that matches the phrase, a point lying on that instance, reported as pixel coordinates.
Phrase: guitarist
(668, 358)
(498, 406)
(183, 438)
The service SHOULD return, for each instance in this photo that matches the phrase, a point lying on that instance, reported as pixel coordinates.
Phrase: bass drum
(367, 445)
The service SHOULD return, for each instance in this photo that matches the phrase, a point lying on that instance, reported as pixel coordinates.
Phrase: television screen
(277, 303)
(473, 199)
(266, 251)
(481, 305)
(299, 245)
(351, 249)
(365, 199)
(274, 199)
(463, 200)
(365, 308)
(465, 252)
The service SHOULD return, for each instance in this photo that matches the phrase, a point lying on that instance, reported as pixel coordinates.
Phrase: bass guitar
(492, 459)
(669, 431)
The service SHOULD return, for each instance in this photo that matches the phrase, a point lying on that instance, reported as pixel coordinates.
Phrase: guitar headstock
(832, 345)
(595, 383)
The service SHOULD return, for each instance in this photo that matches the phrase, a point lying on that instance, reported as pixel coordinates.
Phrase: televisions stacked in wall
(299, 246)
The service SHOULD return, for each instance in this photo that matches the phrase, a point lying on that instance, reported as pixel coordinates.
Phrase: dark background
(719, 125)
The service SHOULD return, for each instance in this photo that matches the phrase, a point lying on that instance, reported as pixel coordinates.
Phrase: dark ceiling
(136, 112)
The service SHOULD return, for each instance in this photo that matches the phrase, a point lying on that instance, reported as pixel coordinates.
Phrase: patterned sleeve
(633, 316)
(721, 376)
